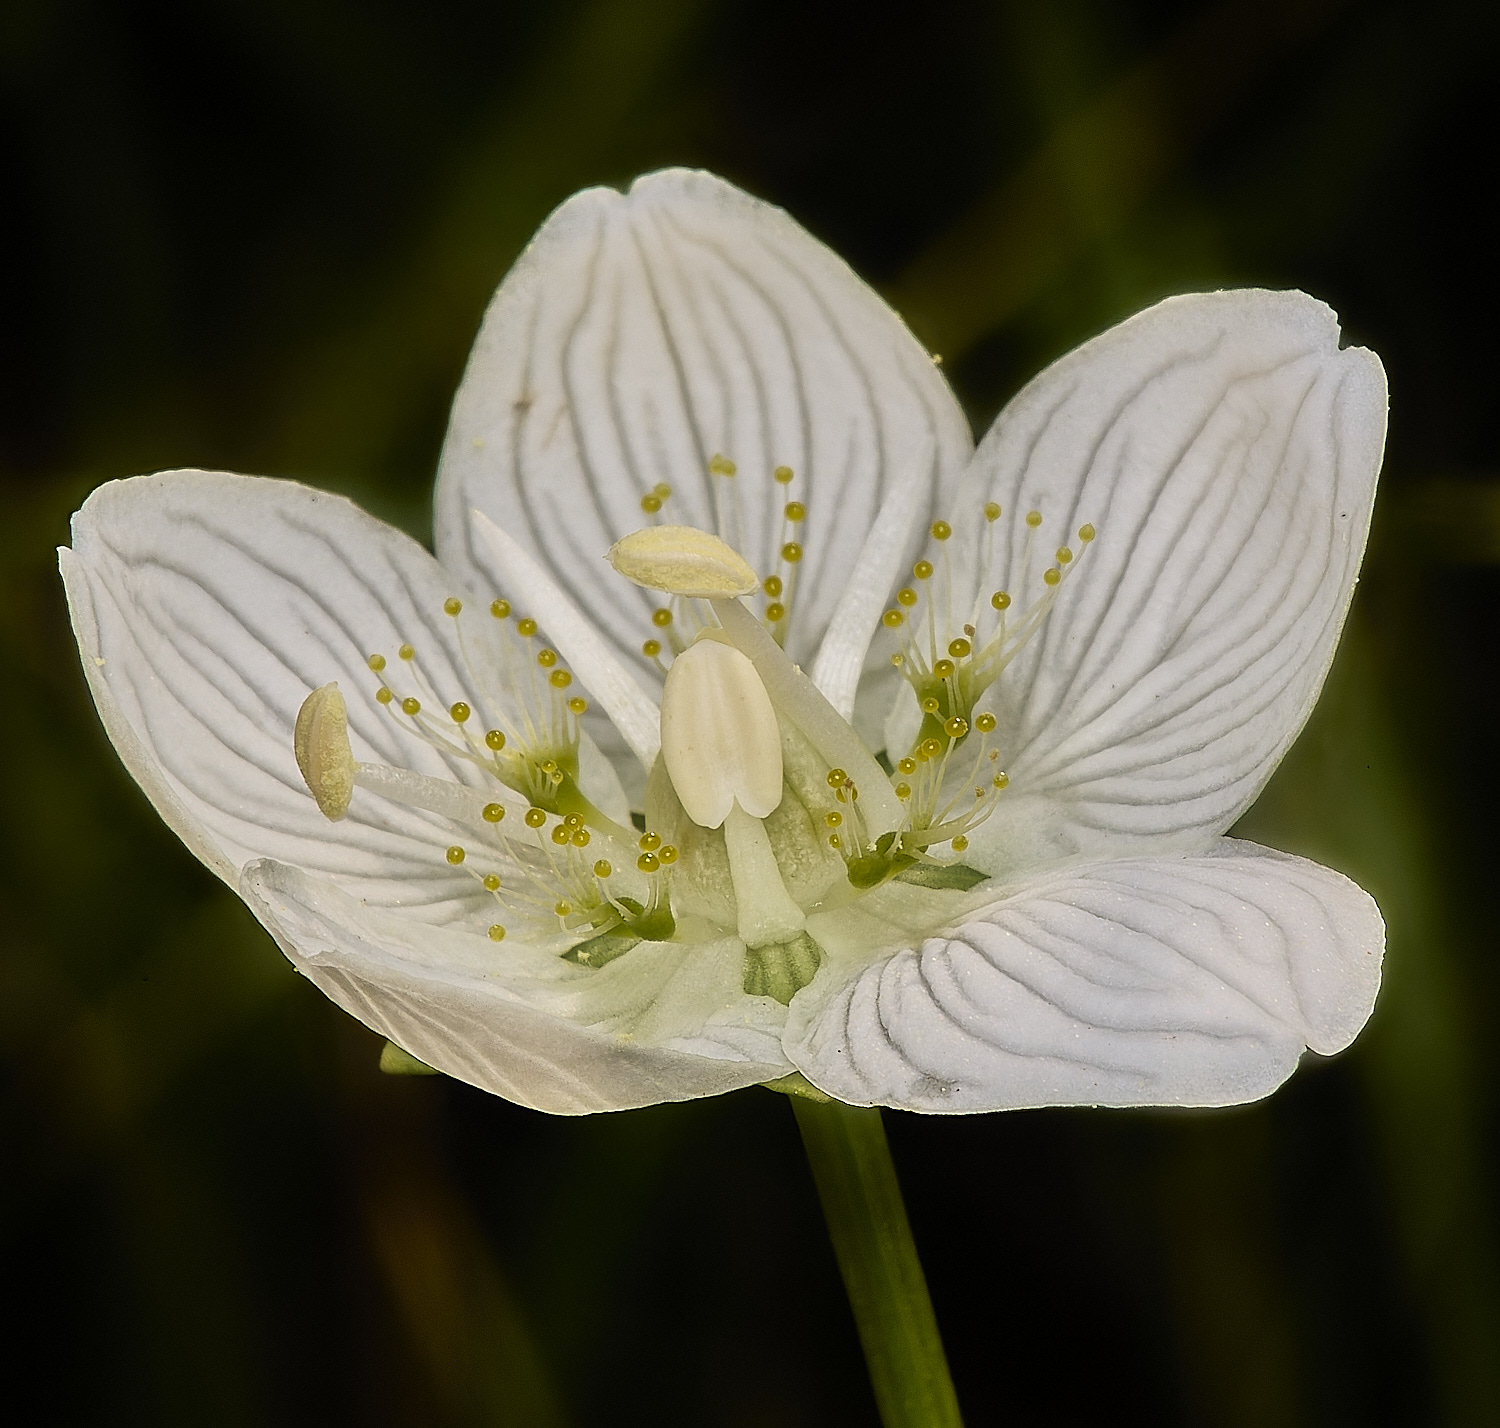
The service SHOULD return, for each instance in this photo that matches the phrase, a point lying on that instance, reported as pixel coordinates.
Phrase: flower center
(764, 808)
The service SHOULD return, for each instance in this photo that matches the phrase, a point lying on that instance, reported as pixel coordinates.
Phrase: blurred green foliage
(259, 234)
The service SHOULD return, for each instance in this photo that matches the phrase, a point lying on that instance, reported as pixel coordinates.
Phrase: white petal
(207, 607)
(642, 334)
(485, 1014)
(1226, 450)
(1144, 981)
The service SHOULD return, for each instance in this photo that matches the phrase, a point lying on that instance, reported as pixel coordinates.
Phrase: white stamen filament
(766, 913)
(799, 700)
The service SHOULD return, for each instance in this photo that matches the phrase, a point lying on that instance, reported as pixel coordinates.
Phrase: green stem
(856, 1180)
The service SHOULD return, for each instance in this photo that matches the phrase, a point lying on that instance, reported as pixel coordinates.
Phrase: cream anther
(719, 735)
(682, 560)
(321, 743)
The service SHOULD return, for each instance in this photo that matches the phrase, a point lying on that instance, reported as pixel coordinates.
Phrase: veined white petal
(1190, 981)
(207, 606)
(596, 663)
(1225, 448)
(642, 334)
(528, 1027)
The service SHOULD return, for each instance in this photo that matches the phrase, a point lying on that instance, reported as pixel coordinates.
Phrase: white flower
(1119, 611)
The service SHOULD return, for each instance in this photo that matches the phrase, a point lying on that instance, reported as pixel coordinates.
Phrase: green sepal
(396, 1062)
(782, 969)
(945, 877)
(797, 1084)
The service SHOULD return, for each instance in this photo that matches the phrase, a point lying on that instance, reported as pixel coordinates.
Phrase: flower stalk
(851, 1164)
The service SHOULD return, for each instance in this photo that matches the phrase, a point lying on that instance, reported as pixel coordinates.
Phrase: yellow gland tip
(578, 705)
(922, 570)
(941, 530)
(772, 586)
(546, 658)
(383, 695)
(1064, 555)
(1000, 600)
(494, 739)
(959, 648)
(535, 817)
(603, 868)
(795, 511)
(561, 835)
(562, 907)
(1086, 533)
(942, 668)
(459, 712)
(559, 679)
(893, 619)
(985, 723)
(650, 842)
(1051, 576)
(1033, 519)
(491, 882)
(775, 611)
(992, 510)
(455, 855)
(791, 552)
(651, 648)
(500, 609)
(497, 933)
(782, 475)
(906, 596)
(494, 812)
(452, 605)
(411, 706)
(667, 854)
(651, 504)
(376, 663)
(407, 652)
(648, 862)
(722, 466)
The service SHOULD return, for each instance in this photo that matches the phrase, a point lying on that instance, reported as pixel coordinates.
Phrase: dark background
(259, 235)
